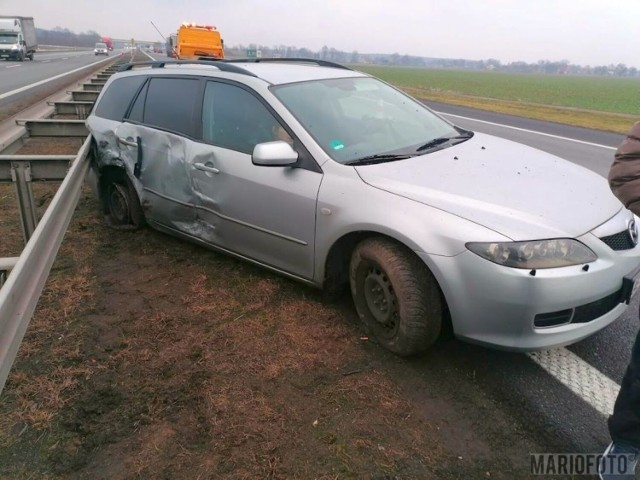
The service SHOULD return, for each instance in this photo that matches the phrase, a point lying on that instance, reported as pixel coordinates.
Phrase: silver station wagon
(339, 180)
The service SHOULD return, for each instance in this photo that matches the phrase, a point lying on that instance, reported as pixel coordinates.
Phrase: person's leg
(624, 424)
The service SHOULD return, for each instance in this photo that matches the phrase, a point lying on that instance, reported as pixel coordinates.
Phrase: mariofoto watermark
(581, 464)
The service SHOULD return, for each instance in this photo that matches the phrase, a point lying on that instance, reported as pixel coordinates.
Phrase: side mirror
(274, 154)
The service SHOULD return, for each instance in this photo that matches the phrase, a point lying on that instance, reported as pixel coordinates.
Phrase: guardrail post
(21, 176)
(6, 264)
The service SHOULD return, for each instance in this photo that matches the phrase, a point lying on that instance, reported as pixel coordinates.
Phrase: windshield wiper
(380, 158)
(466, 135)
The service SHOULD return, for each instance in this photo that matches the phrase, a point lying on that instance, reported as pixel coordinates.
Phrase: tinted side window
(171, 103)
(115, 101)
(234, 118)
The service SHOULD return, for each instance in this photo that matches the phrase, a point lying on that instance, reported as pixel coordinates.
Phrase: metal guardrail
(6, 265)
(22, 170)
(21, 289)
(20, 294)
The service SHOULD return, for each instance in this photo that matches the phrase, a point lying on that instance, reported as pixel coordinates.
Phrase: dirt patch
(179, 361)
(149, 357)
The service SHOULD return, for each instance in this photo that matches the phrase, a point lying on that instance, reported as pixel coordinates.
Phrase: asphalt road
(24, 83)
(14, 74)
(540, 406)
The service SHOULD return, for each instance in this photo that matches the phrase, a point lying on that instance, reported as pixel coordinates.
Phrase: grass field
(604, 103)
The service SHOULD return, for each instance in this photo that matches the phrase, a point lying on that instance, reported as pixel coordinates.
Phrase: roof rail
(219, 64)
(321, 63)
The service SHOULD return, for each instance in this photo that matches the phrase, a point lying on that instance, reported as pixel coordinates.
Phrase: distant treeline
(65, 37)
(562, 67)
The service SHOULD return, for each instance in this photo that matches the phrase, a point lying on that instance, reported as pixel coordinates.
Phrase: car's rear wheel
(396, 296)
(121, 204)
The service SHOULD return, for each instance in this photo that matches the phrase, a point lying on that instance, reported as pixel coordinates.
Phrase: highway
(512, 387)
(24, 83)
(14, 74)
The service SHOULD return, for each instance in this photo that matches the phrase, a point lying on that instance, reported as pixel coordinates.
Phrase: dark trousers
(624, 424)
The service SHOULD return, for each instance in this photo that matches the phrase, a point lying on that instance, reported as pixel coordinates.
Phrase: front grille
(582, 314)
(619, 241)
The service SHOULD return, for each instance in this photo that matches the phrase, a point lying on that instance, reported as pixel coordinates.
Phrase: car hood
(515, 190)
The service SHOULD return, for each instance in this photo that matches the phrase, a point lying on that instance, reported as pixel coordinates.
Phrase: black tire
(21, 57)
(121, 204)
(396, 296)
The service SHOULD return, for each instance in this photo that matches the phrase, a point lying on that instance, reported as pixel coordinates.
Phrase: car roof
(282, 72)
(275, 73)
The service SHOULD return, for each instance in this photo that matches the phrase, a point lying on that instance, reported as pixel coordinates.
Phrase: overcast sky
(586, 32)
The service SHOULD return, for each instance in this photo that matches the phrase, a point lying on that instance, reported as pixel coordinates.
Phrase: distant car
(335, 178)
(101, 49)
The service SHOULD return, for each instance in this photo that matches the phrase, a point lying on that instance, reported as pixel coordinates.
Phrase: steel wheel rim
(380, 298)
(119, 203)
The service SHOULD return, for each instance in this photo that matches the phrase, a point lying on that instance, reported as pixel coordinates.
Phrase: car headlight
(560, 252)
(14, 47)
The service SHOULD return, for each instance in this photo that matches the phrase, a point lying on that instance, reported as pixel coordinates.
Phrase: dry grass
(604, 121)
(190, 364)
(48, 384)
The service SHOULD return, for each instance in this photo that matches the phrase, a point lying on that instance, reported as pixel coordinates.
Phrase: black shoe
(619, 462)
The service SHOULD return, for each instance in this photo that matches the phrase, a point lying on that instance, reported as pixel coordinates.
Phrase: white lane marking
(45, 61)
(587, 382)
(14, 66)
(528, 131)
(41, 82)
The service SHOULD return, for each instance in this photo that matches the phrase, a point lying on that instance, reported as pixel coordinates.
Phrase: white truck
(17, 38)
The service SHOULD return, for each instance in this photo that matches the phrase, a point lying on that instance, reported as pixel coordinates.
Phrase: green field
(606, 103)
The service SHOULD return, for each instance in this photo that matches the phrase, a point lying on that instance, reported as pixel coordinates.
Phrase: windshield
(354, 118)
(8, 38)
(101, 45)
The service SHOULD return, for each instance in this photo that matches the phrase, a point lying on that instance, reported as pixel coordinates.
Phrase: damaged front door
(261, 212)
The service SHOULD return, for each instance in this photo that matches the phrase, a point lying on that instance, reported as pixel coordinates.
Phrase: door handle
(206, 168)
(126, 141)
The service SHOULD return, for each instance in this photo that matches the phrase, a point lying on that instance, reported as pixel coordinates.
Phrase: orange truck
(195, 41)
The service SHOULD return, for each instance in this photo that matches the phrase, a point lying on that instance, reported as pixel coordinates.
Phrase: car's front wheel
(121, 204)
(396, 296)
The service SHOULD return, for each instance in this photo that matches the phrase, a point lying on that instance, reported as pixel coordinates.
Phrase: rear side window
(171, 104)
(116, 100)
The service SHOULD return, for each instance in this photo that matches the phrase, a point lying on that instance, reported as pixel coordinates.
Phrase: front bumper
(512, 309)
(10, 53)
